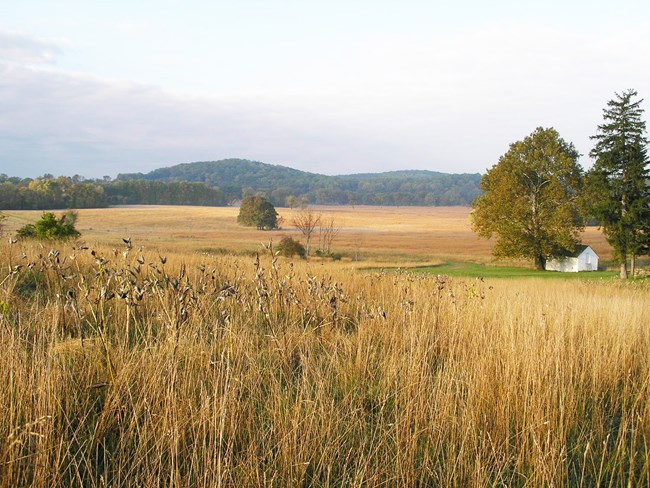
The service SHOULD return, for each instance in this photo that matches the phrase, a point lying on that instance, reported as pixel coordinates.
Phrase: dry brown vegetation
(124, 366)
(383, 234)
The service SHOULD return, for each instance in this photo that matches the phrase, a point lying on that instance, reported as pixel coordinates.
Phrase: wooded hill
(283, 185)
(220, 183)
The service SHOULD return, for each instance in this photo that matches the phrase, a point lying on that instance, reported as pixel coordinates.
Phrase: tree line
(392, 189)
(48, 192)
(537, 198)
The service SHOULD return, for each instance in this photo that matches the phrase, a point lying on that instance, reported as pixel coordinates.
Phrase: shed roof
(578, 251)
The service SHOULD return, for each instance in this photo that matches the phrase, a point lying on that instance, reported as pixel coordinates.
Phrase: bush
(289, 247)
(26, 231)
(49, 227)
(334, 256)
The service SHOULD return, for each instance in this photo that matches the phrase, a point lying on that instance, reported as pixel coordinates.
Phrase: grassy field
(478, 270)
(383, 234)
(162, 365)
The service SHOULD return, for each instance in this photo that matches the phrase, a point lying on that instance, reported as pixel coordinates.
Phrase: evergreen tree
(620, 198)
(532, 200)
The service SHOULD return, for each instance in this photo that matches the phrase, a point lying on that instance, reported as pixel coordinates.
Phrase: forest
(226, 182)
(283, 185)
(47, 193)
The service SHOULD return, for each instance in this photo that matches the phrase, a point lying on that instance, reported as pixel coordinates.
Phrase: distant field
(384, 234)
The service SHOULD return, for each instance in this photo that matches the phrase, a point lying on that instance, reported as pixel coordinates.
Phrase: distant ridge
(284, 185)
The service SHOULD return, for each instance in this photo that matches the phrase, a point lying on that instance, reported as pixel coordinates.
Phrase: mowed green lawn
(475, 270)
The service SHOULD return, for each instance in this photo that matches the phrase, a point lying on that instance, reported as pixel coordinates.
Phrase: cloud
(64, 124)
(27, 50)
(447, 103)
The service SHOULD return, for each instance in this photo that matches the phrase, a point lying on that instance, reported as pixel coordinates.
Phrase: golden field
(168, 366)
(378, 233)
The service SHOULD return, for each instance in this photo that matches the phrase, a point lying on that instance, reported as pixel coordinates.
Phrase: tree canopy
(47, 192)
(259, 212)
(218, 183)
(532, 199)
(281, 185)
(619, 197)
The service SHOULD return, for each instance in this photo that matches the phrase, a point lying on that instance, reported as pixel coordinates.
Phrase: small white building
(582, 259)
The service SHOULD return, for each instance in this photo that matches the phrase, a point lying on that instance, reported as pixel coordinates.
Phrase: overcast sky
(100, 88)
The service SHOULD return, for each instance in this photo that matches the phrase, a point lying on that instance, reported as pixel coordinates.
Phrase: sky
(99, 88)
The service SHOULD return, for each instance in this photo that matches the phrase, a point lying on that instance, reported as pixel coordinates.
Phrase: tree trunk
(633, 265)
(540, 262)
(624, 270)
(623, 214)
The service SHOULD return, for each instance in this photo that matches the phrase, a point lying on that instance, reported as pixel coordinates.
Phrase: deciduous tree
(328, 230)
(259, 212)
(306, 222)
(532, 200)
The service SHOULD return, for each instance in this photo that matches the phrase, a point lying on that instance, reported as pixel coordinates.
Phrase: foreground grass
(126, 368)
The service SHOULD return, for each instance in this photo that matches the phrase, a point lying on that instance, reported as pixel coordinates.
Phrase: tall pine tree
(620, 197)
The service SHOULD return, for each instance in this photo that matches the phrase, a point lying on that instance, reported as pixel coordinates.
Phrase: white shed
(582, 259)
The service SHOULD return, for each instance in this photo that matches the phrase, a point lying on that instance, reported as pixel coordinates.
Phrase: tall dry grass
(126, 368)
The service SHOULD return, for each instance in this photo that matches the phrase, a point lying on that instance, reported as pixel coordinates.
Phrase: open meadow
(384, 234)
(185, 360)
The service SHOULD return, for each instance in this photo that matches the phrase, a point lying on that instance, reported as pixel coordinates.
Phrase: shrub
(289, 247)
(334, 256)
(26, 231)
(49, 227)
